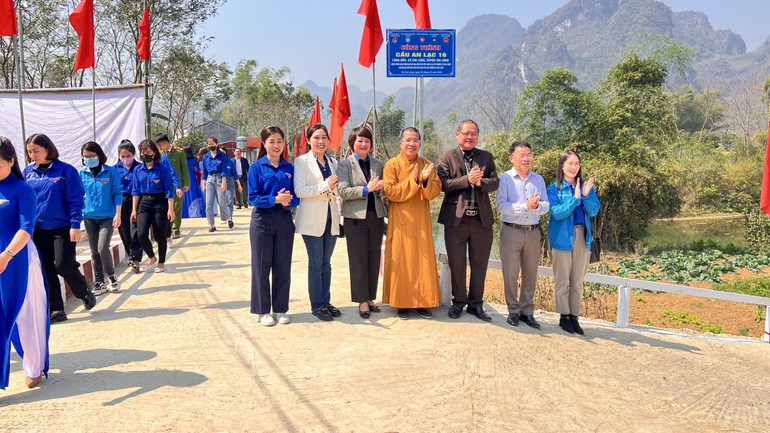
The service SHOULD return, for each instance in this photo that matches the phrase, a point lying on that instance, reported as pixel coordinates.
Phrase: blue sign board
(421, 53)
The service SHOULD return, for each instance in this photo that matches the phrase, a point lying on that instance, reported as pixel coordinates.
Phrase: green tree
(391, 120)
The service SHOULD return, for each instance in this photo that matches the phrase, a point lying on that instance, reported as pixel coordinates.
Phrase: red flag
(143, 45)
(82, 20)
(286, 151)
(315, 116)
(303, 143)
(764, 200)
(335, 136)
(343, 101)
(296, 148)
(372, 39)
(8, 18)
(421, 13)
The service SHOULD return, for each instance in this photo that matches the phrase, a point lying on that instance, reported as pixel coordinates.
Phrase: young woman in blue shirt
(126, 167)
(57, 226)
(101, 214)
(153, 203)
(24, 306)
(573, 203)
(271, 192)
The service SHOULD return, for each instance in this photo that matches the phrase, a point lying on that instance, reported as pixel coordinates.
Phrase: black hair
(161, 137)
(154, 147)
(8, 154)
(188, 153)
(359, 131)
(517, 144)
(464, 121)
(265, 134)
(94, 147)
(43, 141)
(560, 170)
(127, 145)
(315, 128)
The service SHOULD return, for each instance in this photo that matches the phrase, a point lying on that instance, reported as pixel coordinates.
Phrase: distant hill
(497, 57)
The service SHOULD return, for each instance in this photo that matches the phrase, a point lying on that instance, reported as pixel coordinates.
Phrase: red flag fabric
(143, 45)
(764, 200)
(335, 134)
(296, 148)
(82, 20)
(286, 151)
(372, 39)
(303, 143)
(8, 18)
(315, 116)
(421, 13)
(343, 100)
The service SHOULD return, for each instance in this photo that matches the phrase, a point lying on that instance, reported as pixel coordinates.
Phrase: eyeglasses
(524, 156)
(469, 134)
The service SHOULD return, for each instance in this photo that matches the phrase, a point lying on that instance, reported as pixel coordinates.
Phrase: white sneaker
(283, 318)
(266, 320)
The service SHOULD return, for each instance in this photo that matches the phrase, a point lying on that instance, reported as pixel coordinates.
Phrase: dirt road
(179, 352)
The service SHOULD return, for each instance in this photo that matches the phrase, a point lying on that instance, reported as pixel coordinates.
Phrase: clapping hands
(475, 176)
(375, 184)
(283, 198)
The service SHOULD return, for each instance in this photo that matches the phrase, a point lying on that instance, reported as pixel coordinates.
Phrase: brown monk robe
(410, 276)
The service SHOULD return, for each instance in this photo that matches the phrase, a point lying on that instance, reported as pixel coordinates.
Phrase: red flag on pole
(334, 135)
(143, 45)
(372, 39)
(421, 13)
(82, 20)
(764, 200)
(296, 148)
(303, 143)
(343, 101)
(315, 116)
(8, 18)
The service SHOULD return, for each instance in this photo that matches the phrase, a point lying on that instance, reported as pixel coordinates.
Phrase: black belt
(471, 212)
(521, 227)
(157, 195)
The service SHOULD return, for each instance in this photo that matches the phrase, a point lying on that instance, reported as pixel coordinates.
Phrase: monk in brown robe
(411, 276)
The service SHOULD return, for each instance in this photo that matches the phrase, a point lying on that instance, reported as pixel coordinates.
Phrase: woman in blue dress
(23, 297)
(193, 205)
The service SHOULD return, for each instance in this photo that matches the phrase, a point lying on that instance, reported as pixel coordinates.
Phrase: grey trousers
(99, 237)
(214, 193)
(519, 253)
(569, 269)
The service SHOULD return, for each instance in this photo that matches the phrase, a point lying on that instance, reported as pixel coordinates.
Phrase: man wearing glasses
(467, 176)
(521, 200)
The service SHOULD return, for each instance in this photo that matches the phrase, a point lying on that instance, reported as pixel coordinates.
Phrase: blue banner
(421, 53)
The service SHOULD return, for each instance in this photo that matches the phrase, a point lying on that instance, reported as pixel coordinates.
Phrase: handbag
(596, 244)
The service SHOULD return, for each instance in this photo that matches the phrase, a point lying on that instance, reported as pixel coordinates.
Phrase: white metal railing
(624, 291)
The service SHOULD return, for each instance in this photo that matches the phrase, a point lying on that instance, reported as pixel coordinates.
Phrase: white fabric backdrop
(66, 116)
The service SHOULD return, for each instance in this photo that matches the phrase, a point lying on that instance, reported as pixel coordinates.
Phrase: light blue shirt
(513, 194)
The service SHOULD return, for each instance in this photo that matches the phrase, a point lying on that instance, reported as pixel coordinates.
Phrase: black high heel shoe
(374, 308)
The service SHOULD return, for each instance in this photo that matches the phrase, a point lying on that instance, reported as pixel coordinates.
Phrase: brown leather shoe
(34, 381)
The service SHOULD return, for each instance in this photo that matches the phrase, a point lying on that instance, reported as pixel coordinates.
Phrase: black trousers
(242, 198)
(364, 239)
(152, 212)
(128, 232)
(472, 238)
(57, 255)
(272, 240)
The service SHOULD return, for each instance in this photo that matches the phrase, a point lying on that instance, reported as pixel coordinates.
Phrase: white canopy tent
(66, 116)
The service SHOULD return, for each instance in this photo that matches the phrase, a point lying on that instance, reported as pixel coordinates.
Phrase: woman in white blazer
(364, 211)
(317, 219)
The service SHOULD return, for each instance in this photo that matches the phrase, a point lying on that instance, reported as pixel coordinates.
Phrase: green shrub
(753, 286)
(756, 230)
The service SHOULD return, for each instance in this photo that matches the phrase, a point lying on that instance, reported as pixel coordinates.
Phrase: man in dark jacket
(242, 170)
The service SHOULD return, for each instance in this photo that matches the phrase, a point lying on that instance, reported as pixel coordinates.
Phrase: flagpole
(93, 98)
(19, 55)
(374, 117)
(414, 105)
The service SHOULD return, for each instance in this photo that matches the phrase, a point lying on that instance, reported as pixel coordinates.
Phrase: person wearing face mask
(57, 226)
(318, 219)
(101, 214)
(153, 203)
(410, 182)
(364, 211)
(126, 167)
(214, 177)
(573, 204)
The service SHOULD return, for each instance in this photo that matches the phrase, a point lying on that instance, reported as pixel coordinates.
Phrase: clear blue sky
(312, 37)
